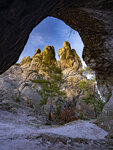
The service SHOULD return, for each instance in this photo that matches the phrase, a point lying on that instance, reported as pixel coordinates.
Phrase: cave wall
(92, 19)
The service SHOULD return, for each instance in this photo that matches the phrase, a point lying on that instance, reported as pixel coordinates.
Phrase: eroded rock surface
(16, 83)
(69, 57)
(21, 130)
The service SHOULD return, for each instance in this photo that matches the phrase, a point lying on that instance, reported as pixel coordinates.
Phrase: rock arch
(92, 19)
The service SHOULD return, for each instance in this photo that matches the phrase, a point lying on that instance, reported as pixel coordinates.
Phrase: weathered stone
(15, 86)
(32, 70)
(69, 57)
(48, 54)
(74, 96)
(38, 51)
(25, 60)
(31, 96)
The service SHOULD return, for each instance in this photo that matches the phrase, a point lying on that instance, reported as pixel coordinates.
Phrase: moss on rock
(25, 60)
(48, 54)
(69, 57)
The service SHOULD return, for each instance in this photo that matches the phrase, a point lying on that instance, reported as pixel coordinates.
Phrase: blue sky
(52, 31)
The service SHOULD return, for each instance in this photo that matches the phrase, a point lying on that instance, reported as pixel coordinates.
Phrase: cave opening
(94, 21)
(52, 31)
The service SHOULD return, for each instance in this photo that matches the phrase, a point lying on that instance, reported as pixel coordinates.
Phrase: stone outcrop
(74, 96)
(92, 19)
(25, 60)
(38, 51)
(15, 86)
(69, 57)
(18, 79)
(46, 56)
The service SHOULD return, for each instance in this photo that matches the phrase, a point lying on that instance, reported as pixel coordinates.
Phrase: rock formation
(18, 79)
(69, 57)
(92, 19)
(25, 60)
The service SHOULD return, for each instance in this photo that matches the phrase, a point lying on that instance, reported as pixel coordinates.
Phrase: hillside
(16, 84)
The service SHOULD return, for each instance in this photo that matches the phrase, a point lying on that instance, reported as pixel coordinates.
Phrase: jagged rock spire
(69, 57)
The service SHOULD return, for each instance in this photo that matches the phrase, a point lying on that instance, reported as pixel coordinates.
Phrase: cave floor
(20, 131)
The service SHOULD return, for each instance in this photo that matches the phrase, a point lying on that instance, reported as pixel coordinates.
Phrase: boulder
(8, 89)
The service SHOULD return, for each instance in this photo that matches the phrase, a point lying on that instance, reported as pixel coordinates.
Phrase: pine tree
(88, 88)
(51, 83)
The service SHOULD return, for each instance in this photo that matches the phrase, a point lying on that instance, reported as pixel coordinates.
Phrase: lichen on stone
(48, 54)
(38, 51)
(69, 57)
(25, 60)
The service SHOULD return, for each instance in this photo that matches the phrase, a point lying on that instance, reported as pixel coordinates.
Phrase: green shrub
(95, 101)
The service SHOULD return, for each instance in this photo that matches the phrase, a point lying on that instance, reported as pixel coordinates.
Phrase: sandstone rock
(15, 86)
(36, 62)
(48, 54)
(9, 88)
(25, 60)
(69, 57)
(38, 51)
(15, 83)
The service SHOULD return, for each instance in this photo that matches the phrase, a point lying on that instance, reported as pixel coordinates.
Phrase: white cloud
(36, 39)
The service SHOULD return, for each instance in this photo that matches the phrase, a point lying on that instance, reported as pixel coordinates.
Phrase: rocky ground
(22, 129)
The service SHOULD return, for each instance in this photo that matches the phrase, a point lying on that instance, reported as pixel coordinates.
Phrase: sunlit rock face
(19, 80)
(69, 57)
(92, 19)
(25, 60)
(46, 56)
